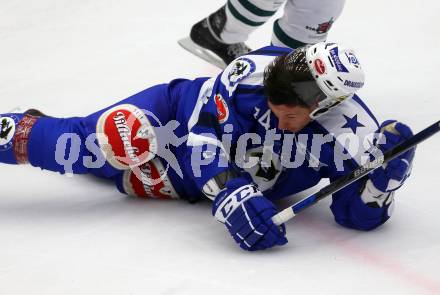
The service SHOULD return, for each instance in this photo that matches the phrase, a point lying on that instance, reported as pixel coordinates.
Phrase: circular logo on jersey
(126, 136)
(7, 131)
(222, 108)
(319, 66)
(242, 68)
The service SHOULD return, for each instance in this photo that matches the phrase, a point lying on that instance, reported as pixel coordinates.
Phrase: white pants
(304, 21)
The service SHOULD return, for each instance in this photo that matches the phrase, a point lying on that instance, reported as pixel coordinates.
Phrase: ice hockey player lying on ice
(273, 123)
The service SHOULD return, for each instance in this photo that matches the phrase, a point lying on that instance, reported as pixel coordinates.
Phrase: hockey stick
(356, 174)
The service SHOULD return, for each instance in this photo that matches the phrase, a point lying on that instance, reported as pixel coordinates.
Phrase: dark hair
(280, 75)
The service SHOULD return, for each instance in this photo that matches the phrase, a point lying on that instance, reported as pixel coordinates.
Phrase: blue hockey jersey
(220, 123)
(230, 126)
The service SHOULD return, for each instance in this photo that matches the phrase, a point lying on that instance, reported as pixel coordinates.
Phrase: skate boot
(35, 113)
(205, 42)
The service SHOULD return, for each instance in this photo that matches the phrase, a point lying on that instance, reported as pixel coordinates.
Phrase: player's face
(291, 118)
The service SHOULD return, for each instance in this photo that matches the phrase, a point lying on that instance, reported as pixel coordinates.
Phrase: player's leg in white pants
(244, 16)
(304, 21)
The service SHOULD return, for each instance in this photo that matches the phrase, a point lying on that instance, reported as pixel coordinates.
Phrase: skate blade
(201, 52)
(19, 109)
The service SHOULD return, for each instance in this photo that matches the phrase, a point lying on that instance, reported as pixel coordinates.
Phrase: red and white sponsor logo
(126, 136)
(149, 180)
(319, 66)
(222, 108)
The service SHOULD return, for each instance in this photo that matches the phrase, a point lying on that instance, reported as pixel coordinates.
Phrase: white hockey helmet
(335, 70)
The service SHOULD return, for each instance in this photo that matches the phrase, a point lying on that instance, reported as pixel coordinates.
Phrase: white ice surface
(62, 235)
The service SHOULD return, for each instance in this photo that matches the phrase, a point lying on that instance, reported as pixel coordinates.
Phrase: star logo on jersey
(352, 123)
(242, 68)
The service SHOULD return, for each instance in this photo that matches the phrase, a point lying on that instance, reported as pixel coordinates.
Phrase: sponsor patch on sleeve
(222, 108)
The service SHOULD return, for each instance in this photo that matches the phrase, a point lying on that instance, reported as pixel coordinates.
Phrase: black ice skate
(205, 42)
(35, 113)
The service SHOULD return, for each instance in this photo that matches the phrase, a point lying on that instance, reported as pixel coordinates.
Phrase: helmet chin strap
(327, 104)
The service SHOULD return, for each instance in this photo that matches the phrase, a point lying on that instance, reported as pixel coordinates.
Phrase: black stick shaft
(389, 155)
(356, 174)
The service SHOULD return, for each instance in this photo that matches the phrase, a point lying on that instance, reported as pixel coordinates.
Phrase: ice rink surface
(61, 235)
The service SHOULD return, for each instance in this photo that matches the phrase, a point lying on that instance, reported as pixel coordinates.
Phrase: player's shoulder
(249, 69)
(352, 125)
(351, 115)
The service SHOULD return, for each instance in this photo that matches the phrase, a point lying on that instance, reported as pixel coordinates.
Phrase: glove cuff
(228, 201)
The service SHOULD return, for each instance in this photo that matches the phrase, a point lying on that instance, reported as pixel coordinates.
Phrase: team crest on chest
(242, 68)
(222, 108)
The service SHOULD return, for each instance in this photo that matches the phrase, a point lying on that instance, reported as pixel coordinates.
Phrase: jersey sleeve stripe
(364, 106)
